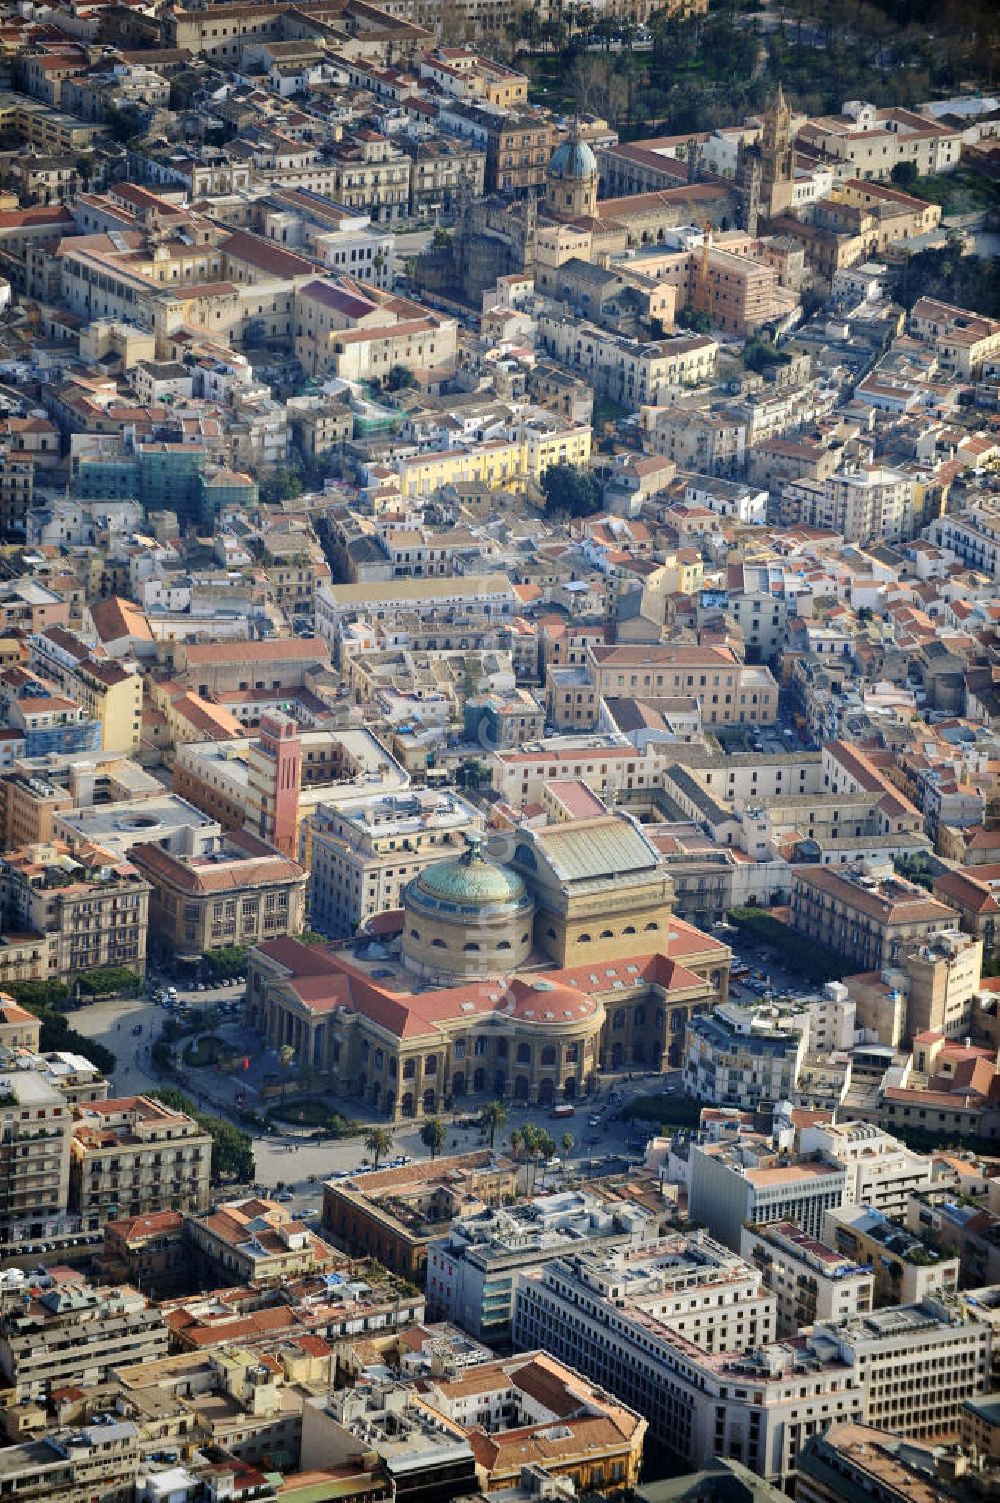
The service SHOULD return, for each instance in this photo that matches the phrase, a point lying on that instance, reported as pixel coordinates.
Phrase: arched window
(629, 929)
(606, 934)
(431, 1064)
(524, 1054)
(503, 945)
(653, 925)
(584, 939)
(550, 933)
(572, 1053)
(471, 946)
(409, 1069)
(619, 1018)
(549, 1054)
(414, 934)
(438, 944)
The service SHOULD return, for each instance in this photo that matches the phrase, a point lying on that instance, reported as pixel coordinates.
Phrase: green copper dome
(467, 882)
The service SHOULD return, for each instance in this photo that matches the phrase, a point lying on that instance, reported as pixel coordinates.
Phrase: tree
(283, 484)
(232, 1149)
(538, 1145)
(516, 1142)
(567, 1142)
(570, 490)
(378, 1141)
(399, 377)
(493, 1119)
(433, 1135)
(38, 996)
(229, 960)
(694, 318)
(286, 1056)
(904, 174)
(311, 937)
(110, 978)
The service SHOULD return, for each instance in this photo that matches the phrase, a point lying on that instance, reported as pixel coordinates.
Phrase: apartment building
(363, 857)
(905, 1269)
(257, 1242)
(943, 978)
(962, 341)
(74, 1465)
(521, 455)
(472, 1270)
(809, 1280)
(871, 919)
(881, 1171)
(873, 141)
(741, 1056)
(517, 1400)
(623, 369)
(431, 601)
(871, 504)
(728, 691)
(395, 1214)
(108, 691)
(131, 1155)
(732, 1184)
(92, 910)
(73, 1333)
(340, 332)
(219, 889)
(35, 1127)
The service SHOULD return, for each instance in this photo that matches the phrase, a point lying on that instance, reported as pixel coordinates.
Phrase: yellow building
(504, 464)
(106, 690)
(134, 1155)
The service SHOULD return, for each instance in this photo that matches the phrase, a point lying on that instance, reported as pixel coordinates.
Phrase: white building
(472, 1270)
(363, 857)
(880, 1171)
(743, 1056)
(907, 1370)
(735, 1183)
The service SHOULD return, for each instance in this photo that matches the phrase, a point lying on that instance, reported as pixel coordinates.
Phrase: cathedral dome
(468, 882)
(573, 161)
(467, 917)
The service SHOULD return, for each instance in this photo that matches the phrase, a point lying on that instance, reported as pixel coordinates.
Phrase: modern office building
(733, 1185)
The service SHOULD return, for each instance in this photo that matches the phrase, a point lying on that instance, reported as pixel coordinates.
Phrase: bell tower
(777, 157)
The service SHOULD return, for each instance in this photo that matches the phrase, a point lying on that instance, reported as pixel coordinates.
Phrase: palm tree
(536, 1143)
(567, 1143)
(433, 1135)
(493, 1119)
(516, 1141)
(378, 1141)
